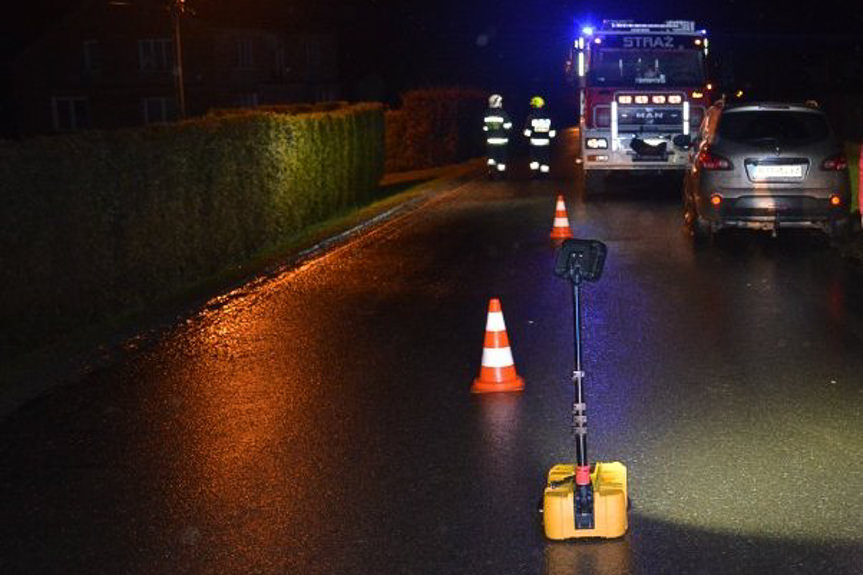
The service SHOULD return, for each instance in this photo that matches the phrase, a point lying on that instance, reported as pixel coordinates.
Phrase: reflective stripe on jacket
(539, 124)
(496, 124)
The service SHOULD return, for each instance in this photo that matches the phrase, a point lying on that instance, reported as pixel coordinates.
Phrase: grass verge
(854, 248)
(852, 152)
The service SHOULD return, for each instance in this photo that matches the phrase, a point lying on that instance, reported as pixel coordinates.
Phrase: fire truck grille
(650, 118)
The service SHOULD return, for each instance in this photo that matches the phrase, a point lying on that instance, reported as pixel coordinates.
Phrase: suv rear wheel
(699, 228)
(838, 232)
(594, 182)
(702, 232)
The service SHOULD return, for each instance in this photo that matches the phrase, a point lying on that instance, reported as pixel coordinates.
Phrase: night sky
(519, 46)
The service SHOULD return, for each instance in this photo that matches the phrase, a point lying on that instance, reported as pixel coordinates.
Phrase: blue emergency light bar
(630, 26)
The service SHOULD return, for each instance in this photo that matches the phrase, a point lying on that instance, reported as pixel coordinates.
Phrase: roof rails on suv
(768, 105)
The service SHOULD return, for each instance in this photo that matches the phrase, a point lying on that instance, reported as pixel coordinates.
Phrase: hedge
(104, 223)
(852, 153)
(292, 109)
(434, 127)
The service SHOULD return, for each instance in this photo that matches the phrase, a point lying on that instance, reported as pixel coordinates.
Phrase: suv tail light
(837, 163)
(710, 161)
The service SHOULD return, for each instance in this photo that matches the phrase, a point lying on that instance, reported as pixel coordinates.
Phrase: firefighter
(538, 130)
(496, 125)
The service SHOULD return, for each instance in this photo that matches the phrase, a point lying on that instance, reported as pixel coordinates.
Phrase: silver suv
(766, 166)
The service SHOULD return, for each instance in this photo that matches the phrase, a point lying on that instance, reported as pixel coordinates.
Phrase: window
(155, 110)
(773, 127)
(280, 66)
(155, 54)
(325, 94)
(314, 57)
(245, 54)
(70, 114)
(248, 100)
(614, 67)
(92, 57)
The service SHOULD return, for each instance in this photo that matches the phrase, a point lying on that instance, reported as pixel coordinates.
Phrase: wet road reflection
(320, 420)
(588, 558)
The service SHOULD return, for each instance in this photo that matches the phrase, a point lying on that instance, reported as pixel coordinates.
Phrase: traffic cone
(498, 370)
(560, 230)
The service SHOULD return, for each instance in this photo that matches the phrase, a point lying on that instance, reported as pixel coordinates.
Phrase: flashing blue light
(587, 30)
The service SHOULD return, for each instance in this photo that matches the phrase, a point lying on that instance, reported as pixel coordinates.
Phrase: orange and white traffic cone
(560, 230)
(498, 369)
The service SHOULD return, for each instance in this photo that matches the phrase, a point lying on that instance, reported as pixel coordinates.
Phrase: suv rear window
(779, 127)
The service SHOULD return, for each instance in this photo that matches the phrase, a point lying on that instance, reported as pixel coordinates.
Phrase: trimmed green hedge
(292, 109)
(103, 223)
(434, 127)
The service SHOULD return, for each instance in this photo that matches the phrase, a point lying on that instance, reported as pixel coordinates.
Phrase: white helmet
(495, 101)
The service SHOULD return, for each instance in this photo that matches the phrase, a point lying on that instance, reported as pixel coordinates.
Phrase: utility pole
(178, 8)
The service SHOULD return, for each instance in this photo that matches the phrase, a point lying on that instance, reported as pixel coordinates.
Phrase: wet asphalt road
(320, 421)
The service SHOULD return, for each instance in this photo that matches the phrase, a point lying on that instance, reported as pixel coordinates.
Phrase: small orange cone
(498, 370)
(561, 229)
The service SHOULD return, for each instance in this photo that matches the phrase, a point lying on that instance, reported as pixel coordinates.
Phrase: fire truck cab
(642, 90)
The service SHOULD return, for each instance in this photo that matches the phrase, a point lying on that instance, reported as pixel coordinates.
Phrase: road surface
(319, 420)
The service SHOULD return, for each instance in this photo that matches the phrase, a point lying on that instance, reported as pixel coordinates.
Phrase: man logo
(648, 41)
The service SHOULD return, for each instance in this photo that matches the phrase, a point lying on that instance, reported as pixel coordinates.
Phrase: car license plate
(764, 203)
(775, 172)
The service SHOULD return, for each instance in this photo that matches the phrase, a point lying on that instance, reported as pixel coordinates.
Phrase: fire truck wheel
(702, 232)
(594, 182)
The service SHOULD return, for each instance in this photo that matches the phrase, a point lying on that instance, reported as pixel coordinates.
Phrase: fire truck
(642, 90)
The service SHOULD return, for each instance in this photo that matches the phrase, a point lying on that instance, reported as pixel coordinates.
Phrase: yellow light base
(609, 502)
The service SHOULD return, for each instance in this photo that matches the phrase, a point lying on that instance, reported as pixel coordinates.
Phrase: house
(112, 64)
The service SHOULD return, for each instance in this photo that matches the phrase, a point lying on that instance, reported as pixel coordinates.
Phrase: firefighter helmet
(495, 101)
(537, 102)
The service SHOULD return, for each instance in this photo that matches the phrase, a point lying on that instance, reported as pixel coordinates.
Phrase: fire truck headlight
(675, 99)
(624, 100)
(641, 99)
(658, 99)
(597, 144)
